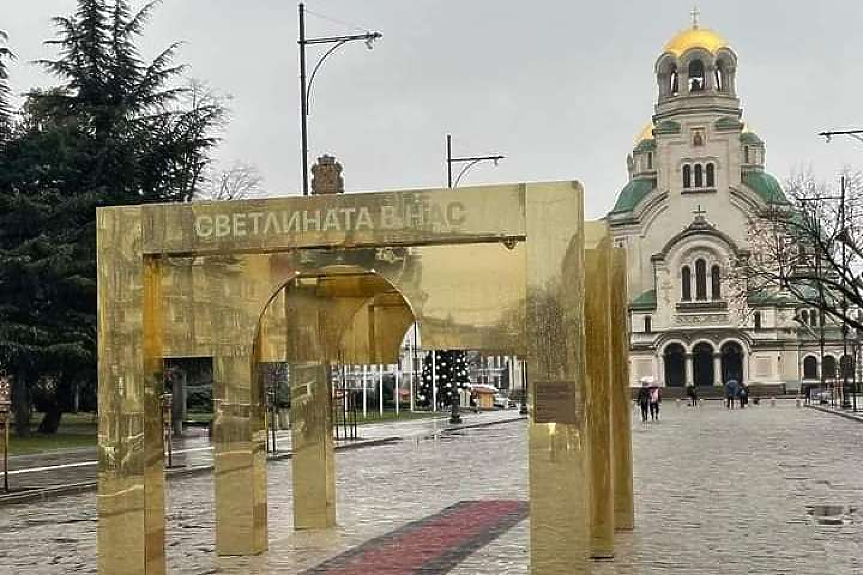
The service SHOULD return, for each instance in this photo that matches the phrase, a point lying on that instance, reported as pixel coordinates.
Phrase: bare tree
(809, 251)
(237, 182)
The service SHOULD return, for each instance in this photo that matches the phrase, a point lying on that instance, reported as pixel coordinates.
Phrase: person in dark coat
(655, 399)
(743, 395)
(731, 391)
(644, 399)
(692, 394)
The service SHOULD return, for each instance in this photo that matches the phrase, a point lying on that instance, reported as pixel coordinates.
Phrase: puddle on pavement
(830, 515)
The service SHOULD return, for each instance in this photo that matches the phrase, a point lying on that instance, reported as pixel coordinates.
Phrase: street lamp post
(469, 161)
(306, 86)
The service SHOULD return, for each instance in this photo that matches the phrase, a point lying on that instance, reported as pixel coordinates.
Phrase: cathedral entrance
(675, 365)
(732, 362)
(702, 358)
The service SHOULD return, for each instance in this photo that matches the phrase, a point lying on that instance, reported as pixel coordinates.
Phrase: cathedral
(697, 179)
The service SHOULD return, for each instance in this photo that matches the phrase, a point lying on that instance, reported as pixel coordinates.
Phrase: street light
(306, 87)
(470, 162)
(828, 134)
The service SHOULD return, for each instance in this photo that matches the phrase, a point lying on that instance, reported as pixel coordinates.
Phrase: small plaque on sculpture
(554, 402)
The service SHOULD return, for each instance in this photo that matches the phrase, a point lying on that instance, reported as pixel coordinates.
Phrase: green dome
(766, 186)
(632, 194)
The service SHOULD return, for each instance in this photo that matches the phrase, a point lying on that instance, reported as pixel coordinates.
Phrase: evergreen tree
(451, 374)
(117, 130)
(5, 106)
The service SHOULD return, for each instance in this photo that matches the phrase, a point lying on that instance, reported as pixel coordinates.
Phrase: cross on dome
(696, 13)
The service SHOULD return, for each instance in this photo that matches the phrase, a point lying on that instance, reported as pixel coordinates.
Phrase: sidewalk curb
(77, 488)
(858, 417)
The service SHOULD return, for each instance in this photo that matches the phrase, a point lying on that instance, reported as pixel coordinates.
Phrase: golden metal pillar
(621, 400)
(559, 537)
(598, 345)
(313, 462)
(312, 323)
(131, 486)
(240, 457)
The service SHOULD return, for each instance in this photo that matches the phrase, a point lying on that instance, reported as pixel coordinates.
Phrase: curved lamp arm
(315, 71)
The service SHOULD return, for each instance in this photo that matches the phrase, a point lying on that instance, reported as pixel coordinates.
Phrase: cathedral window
(757, 319)
(715, 283)
(720, 76)
(674, 83)
(648, 327)
(810, 367)
(686, 284)
(804, 317)
(699, 176)
(700, 280)
(829, 367)
(649, 160)
(696, 76)
(745, 154)
(687, 176)
(711, 175)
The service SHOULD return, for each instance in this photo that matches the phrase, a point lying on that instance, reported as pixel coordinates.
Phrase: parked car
(502, 402)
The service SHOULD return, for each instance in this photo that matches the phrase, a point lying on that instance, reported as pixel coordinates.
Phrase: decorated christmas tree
(450, 371)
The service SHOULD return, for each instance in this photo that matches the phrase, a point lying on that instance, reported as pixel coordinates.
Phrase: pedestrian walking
(730, 393)
(644, 398)
(692, 394)
(743, 396)
(655, 399)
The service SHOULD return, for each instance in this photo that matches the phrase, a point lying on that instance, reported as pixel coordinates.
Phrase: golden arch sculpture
(316, 280)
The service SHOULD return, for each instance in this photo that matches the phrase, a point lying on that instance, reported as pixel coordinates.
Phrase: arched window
(687, 176)
(715, 283)
(648, 324)
(810, 367)
(701, 280)
(829, 367)
(846, 368)
(674, 84)
(745, 154)
(720, 76)
(804, 317)
(686, 284)
(649, 160)
(711, 176)
(757, 320)
(696, 76)
(699, 176)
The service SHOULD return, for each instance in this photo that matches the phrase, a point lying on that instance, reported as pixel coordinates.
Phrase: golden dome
(696, 38)
(645, 134)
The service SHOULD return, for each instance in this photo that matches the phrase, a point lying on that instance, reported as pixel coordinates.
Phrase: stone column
(689, 369)
(717, 369)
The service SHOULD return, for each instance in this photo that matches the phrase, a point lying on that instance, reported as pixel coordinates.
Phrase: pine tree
(117, 130)
(5, 90)
(451, 374)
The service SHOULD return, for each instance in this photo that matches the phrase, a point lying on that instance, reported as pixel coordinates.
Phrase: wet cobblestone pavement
(766, 490)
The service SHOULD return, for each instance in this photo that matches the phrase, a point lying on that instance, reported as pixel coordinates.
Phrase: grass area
(38, 443)
(375, 416)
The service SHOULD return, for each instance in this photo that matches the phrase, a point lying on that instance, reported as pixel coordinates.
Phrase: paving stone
(736, 493)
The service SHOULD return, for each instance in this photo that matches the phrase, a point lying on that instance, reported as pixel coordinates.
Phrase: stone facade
(696, 180)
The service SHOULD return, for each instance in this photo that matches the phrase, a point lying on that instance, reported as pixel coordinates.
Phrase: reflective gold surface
(621, 400)
(324, 280)
(559, 537)
(598, 346)
(695, 38)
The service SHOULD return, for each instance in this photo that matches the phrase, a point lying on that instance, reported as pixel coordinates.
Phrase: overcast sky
(560, 87)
